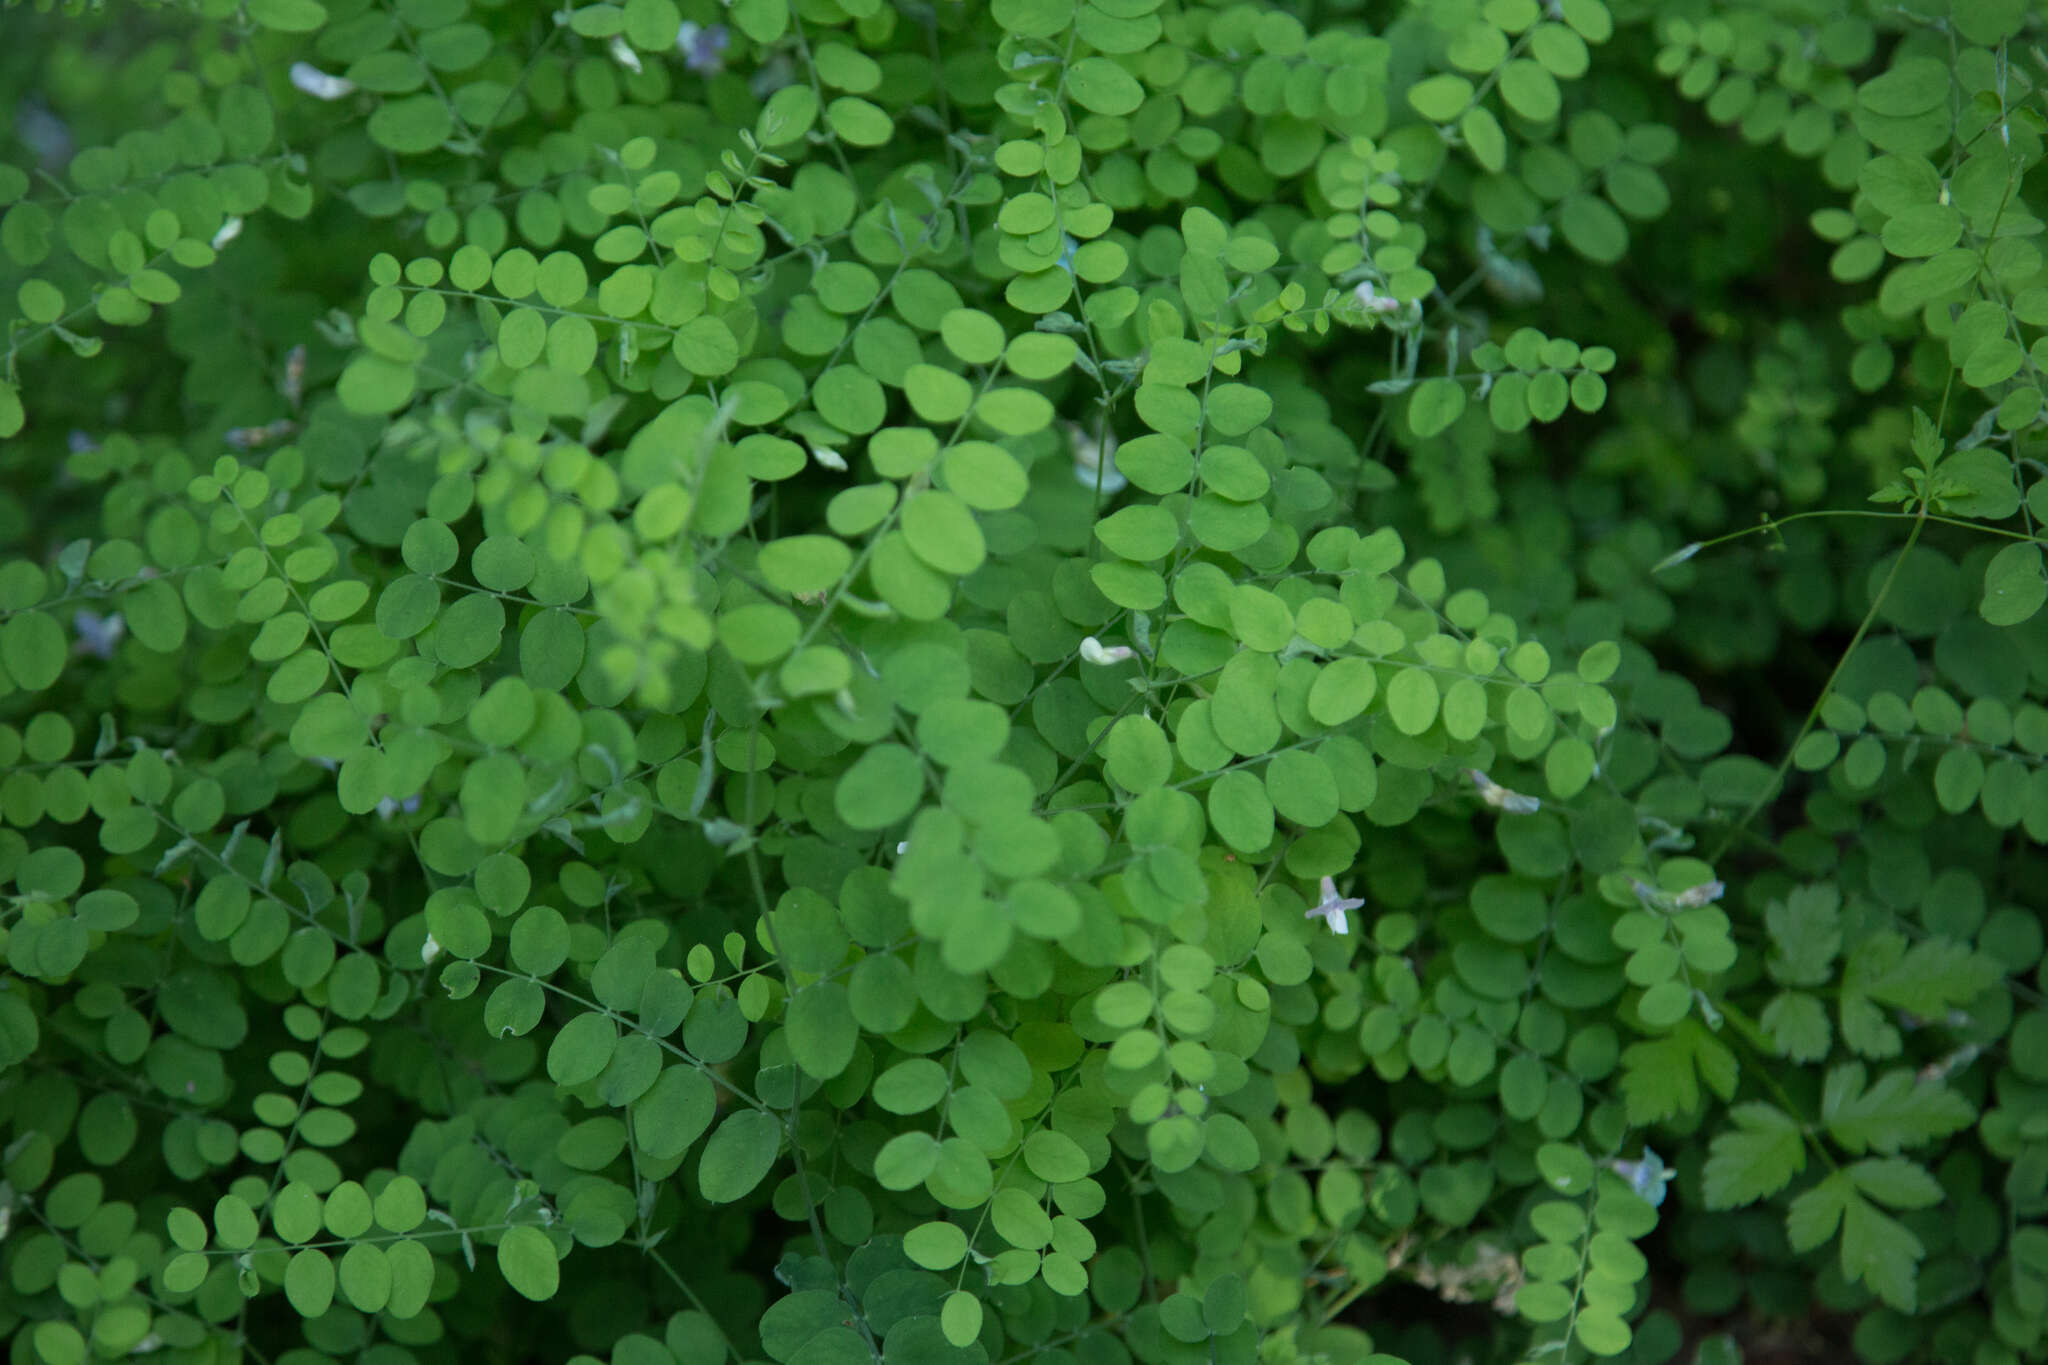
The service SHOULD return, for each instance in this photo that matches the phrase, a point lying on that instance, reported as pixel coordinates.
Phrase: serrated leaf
(1898, 1112)
(1756, 1160)
(1806, 931)
(1897, 1182)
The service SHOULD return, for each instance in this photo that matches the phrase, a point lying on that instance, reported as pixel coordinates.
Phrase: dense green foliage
(1069, 680)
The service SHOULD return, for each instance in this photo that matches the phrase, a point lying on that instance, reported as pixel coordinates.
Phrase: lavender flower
(1646, 1177)
(387, 807)
(98, 635)
(1332, 908)
(703, 49)
(1374, 302)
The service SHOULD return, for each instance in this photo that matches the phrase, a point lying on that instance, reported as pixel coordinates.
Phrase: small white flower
(429, 950)
(309, 79)
(1095, 652)
(624, 55)
(229, 230)
(902, 847)
(1501, 798)
(828, 457)
(1372, 301)
(1706, 893)
(1332, 908)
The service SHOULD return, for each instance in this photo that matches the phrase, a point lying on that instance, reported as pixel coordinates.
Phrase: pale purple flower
(1374, 302)
(387, 807)
(703, 49)
(1646, 1177)
(1333, 907)
(98, 635)
(79, 442)
(44, 133)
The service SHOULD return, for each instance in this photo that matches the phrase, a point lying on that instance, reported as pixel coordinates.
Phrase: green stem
(1777, 781)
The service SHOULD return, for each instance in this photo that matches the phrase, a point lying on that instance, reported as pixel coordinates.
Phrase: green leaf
(739, 1155)
(1894, 1113)
(937, 394)
(1979, 483)
(234, 1224)
(936, 1245)
(1136, 753)
(58, 1342)
(675, 1112)
(1241, 811)
(288, 16)
(2015, 585)
(582, 1049)
(410, 126)
(309, 1282)
(1755, 1160)
(1054, 1157)
(960, 1318)
(1440, 98)
(373, 386)
(1102, 86)
(859, 122)
(526, 1258)
(1435, 405)
(1895, 1181)
(1593, 228)
(1412, 700)
(884, 785)
(821, 1027)
(1530, 90)
(704, 345)
(33, 649)
(365, 1277)
(943, 533)
(1142, 531)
